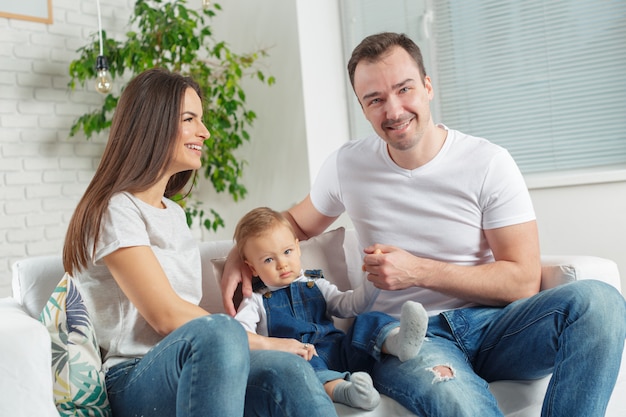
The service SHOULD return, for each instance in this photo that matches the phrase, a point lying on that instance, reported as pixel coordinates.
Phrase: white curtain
(544, 78)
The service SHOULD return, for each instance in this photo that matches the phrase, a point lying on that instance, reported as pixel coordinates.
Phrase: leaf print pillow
(79, 388)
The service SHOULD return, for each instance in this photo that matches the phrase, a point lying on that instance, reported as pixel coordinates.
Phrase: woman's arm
(140, 276)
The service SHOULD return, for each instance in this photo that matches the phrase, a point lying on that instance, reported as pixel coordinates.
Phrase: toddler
(292, 311)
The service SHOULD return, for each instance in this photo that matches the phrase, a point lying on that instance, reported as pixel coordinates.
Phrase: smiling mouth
(194, 147)
(398, 126)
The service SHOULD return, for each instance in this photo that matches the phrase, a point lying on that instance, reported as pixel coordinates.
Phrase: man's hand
(515, 273)
(389, 268)
(235, 272)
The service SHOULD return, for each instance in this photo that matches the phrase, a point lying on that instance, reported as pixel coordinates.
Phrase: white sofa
(26, 390)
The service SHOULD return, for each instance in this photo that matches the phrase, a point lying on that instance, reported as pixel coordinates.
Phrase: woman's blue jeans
(205, 368)
(575, 331)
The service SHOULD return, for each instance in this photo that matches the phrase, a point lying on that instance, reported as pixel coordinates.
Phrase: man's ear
(428, 84)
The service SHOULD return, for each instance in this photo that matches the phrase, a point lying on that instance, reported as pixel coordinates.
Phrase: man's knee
(602, 303)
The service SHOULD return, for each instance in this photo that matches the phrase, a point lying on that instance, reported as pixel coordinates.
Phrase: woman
(139, 271)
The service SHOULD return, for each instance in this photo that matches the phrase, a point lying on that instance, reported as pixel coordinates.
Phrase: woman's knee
(219, 333)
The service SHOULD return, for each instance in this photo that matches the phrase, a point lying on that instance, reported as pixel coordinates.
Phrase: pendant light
(104, 82)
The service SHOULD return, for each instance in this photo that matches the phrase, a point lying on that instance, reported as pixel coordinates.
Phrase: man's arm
(515, 274)
(306, 220)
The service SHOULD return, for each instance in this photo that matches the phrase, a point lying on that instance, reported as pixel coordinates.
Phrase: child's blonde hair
(255, 223)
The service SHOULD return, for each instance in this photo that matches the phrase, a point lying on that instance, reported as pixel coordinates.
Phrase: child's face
(274, 256)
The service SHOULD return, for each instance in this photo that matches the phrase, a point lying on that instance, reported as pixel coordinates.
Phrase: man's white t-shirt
(121, 331)
(437, 211)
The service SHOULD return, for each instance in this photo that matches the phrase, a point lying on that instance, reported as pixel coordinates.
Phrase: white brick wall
(43, 172)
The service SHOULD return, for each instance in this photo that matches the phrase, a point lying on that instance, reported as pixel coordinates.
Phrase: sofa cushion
(78, 379)
(323, 252)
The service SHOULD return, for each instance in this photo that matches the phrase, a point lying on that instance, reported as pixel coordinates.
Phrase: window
(545, 79)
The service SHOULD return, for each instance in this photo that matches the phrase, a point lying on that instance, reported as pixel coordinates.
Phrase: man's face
(394, 99)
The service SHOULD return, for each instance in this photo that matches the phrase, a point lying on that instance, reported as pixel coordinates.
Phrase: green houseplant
(169, 34)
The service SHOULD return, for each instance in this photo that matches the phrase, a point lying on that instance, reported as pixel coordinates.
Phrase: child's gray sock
(405, 342)
(358, 392)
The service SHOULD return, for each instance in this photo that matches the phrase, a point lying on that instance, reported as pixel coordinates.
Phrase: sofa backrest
(336, 252)
(35, 278)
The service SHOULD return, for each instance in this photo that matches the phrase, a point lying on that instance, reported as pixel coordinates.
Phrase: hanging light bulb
(104, 82)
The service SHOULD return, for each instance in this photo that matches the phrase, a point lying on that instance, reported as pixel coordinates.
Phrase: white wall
(300, 120)
(307, 61)
(42, 172)
(584, 219)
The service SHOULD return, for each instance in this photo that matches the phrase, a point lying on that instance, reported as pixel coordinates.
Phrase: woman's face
(191, 134)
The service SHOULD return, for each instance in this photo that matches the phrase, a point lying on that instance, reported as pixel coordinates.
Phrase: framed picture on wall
(33, 10)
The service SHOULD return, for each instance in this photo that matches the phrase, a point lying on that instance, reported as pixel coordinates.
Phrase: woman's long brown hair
(141, 143)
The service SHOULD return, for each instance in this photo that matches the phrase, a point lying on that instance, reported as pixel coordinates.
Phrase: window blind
(545, 79)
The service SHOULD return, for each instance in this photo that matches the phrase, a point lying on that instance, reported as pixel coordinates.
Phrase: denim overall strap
(298, 312)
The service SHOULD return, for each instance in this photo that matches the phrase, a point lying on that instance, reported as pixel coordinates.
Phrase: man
(456, 227)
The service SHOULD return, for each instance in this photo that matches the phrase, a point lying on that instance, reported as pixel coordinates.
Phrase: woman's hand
(304, 350)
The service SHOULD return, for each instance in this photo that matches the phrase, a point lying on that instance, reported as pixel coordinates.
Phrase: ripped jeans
(575, 331)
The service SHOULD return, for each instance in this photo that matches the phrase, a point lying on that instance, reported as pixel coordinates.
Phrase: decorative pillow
(78, 379)
(323, 252)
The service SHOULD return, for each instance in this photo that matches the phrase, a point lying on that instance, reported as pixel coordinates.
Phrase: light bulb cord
(100, 27)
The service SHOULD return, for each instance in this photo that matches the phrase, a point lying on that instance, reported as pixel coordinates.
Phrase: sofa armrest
(561, 269)
(26, 382)
(33, 281)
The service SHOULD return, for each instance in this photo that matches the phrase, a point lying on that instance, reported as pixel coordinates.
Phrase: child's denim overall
(299, 312)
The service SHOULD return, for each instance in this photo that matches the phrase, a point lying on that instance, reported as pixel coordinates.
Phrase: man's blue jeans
(205, 368)
(575, 331)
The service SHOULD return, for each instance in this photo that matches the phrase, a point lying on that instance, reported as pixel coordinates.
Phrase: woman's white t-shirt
(121, 331)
